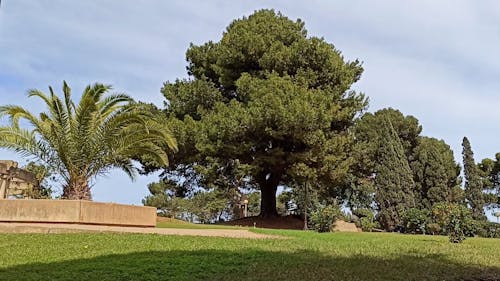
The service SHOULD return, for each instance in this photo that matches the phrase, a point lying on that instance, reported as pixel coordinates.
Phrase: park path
(10, 227)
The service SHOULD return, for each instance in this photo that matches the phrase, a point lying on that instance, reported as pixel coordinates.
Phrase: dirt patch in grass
(170, 220)
(286, 222)
(48, 228)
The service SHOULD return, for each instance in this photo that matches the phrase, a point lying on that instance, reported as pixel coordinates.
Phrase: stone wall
(342, 226)
(76, 211)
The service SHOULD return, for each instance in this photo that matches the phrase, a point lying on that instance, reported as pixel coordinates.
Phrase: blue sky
(436, 60)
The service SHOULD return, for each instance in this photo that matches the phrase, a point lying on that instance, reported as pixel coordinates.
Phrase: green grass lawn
(303, 256)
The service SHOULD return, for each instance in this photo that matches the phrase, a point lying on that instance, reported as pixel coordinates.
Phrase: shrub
(363, 212)
(368, 224)
(323, 218)
(366, 219)
(488, 229)
(415, 220)
(433, 228)
(455, 220)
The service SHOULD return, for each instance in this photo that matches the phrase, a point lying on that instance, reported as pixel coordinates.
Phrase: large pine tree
(271, 98)
(473, 182)
(393, 180)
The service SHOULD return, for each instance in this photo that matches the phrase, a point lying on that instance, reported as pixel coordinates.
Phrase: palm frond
(82, 141)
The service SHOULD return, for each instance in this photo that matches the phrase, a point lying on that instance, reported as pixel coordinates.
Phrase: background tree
(490, 170)
(359, 189)
(473, 182)
(80, 142)
(209, 206)
(436, 174)
(269, 97)
(368, 132)
(253, 207)
(393, 180)
(205, 206)
(164, 196)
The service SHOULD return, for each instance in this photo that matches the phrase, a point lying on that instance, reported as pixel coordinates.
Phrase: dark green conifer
(473, 182)
(393, 180)
(436, 174)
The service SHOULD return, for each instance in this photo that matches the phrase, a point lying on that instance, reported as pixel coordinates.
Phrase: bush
(488, 229)
(455, 220)
(363, 212)
(433, 228)
(368, 224)
(366, 219)
(415, 220)
(323, 218)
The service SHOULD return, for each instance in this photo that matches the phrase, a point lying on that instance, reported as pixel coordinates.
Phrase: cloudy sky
(436, 60)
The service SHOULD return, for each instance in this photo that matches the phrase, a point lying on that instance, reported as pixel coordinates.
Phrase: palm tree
(104, 131)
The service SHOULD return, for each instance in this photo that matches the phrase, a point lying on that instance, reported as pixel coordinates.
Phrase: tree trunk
(77, 189)
(268, 184)
(268, 202)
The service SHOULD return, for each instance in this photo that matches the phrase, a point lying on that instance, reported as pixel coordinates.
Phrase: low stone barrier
(76, 211)
(342, 226)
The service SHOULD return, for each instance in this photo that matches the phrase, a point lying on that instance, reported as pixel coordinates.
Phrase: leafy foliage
(488, 229)
(490, 171)
(80, 142)
(433, 228)
(163, 197)
(368, 224)
(455, 220)
(364, 218)
(201, 206)
(415, 220)
(44, 177)
(323, 218)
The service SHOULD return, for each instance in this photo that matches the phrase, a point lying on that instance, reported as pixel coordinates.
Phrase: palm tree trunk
(77, 189)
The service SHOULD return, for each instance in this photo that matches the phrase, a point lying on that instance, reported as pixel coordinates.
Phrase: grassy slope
(304, 256)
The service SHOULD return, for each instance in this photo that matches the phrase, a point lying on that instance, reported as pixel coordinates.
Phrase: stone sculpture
(16, 182)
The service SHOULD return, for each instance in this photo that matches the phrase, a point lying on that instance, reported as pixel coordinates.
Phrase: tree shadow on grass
(249, 265)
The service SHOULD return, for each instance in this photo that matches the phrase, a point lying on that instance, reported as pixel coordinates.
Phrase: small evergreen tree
(473, 182)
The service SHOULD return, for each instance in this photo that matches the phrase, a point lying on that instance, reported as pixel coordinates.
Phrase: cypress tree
(393, 180)
(473, 183)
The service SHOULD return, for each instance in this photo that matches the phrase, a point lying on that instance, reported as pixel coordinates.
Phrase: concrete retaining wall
(76, 211)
